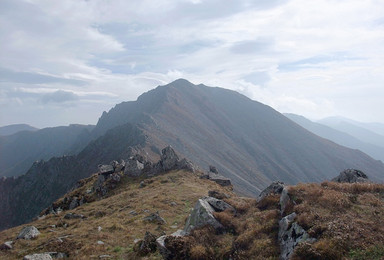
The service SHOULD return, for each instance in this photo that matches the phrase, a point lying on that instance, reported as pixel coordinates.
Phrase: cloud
(59, 96)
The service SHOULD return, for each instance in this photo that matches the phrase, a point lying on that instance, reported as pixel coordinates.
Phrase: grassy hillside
(345, 219)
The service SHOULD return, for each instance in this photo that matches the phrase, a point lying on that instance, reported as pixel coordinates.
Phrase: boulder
(184, 164)
(6, 245)
(218, 195)
(161, 243)
(147, 245)
(201, 215)
(351, 176)
(133, 167)
(213, 169)
(43, 256)
(221, 180)
(286, 204)
(154, 218)
(274, 188)
(218, 205)
(28, 232)
(106, 169)
(73, 216)
(169, 159)
(290, 235)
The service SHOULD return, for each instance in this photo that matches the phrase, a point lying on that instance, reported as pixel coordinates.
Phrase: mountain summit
(248, 142)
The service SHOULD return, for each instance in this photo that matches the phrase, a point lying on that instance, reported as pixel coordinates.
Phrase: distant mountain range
(347, 133)
(13, 129)
(247, 141)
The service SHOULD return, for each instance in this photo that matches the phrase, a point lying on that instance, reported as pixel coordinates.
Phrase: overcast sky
(67, 61)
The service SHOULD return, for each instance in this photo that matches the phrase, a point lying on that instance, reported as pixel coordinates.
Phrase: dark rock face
(351, 176)
(276, 187)
(28, 232)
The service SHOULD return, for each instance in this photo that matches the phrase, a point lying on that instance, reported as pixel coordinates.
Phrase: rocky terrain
(135, 209)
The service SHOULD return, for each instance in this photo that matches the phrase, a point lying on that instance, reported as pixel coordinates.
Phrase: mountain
(248, 142)
(138, 217)
(355, 129)
(18, 151)
(13, 129)
(338, 137)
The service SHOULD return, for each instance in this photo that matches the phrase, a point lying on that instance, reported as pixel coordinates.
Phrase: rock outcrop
(155, 218)
(28, 232)
(214, 175)
(351, 176)
(6, 245)
(43, 256)
(162, 243)
(274, 188)
(146, 245)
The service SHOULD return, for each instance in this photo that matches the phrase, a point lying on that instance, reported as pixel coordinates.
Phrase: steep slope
(338, 137)
(249, 142)
(13, 129)
(47, 180)
(20, 150)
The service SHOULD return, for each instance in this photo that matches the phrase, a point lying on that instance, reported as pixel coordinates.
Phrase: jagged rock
(351, 176)
(133, 167)
(74, 203)
(28, 232)
(285, 201)
(218, 205)
(43, 256)
(6, 245)
(73, 216)
(201, 215)
(104, 256)
(115, 177)
(184, 164)
(291, 234)
(161, 243)
(155, 218)
(213, 169)
(169, 159)
(147, 245)
(221, 180)
(274, 188)
(106, 169)
(218, 195)
(120, 166)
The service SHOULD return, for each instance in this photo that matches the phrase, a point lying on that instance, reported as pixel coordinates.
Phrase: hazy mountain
(20, 150)
(247, 141)
(338, 137)
(13, 129)
(355, 129)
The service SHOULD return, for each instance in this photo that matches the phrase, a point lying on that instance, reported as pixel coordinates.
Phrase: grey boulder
(351, 176)
(28, 232)
(274, 188)
(6, 245)
(43, 256)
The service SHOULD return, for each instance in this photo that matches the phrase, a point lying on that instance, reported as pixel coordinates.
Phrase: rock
(115, 177)
(28, 232)
(133, 212)
(217, 195)
(184, 164)
(173, 204)
(74, 203)
(142, 184)
(147, 245)
(201, 215)
(213, 169)
(274, 188)
(120, 166)
(290, 235)
(106, 169)
(57, 254)
(285, 201)
(133, 167)
(99, 228)
(155, 218)
(6, 245)
(161, 245)
(218, 205)
(100, 242)
(73, 216)
(169, 159)
(104, 256)
(221, 180)
(43, 256)
(351, 176)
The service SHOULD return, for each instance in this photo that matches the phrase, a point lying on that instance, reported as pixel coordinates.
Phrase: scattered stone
(73, 216)
(217, 195)
(213, 169)
(99, 228)
(142, 184)
(57, 254)
(218, 205)
(106, 169)
(133, 212)
(6, 245)
(290, 235)
(28, 232)
(274, 188)
(155, 218)
(202, 214)
(100, 242)
(105, 256)
(43, 256)
(88, 191)
(147, 245)
(173, 204)
(351, 176)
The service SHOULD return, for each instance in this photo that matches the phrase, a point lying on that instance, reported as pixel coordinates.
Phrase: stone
(115, 177)
(106, 169)
(6, 245)
(351, 176)
(213, 169)
(100, 242)
(173, 204)
(43, 256)
(133, 212)
(104, 256)
(285, 201)
(142, 184)
(74, 203)
(169, 159)
(57, 254)
(218, 205)
(133, 167)
(184, 164)
(154, 218)
(290, 235)
(28, 232)
(274, 188)
(73, 216)
(221, 180)
(201, 215)
(120, 166)
(160, 243)
(146, 245)
(217, 195)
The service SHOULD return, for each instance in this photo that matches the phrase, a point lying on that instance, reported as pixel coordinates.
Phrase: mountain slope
(20, 150)
(338, 137)
(13, 129)
(249, 142)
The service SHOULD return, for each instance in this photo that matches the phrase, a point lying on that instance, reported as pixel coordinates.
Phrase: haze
(67, 61)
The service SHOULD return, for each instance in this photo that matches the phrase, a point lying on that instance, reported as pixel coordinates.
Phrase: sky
(67, 61)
